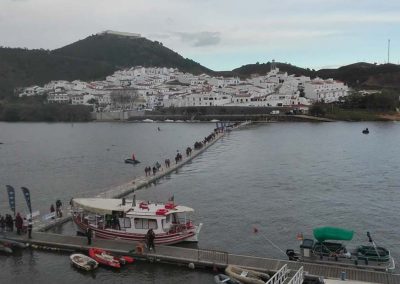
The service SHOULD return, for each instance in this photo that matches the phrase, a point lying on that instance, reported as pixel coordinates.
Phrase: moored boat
(327, 250)
(131, 220)
(246, 276)
(130, 161)
(6, 249)
(104, 257)
(11, 243)
(222, 278)
(84, 262)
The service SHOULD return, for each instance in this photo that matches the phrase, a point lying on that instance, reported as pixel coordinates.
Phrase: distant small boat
(168, 120)
(214, 120)
(147, 120)
(179, 120)
(365, 131)
(130, 161)
(84, 262)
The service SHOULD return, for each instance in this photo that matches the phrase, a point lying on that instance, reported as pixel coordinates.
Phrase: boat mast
(373, 244)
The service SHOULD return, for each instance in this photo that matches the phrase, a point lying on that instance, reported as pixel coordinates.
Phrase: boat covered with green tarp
(332, 233)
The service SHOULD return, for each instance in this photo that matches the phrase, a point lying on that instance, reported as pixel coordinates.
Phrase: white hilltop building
(110, 32)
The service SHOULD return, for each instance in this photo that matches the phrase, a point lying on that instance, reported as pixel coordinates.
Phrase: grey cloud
(200, 38)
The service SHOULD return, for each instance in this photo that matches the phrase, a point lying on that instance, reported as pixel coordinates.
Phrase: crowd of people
(22, 225)
(149, 171)
(6, 223)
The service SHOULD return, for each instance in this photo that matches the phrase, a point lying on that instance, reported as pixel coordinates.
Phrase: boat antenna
(373, 244)
(272, 243)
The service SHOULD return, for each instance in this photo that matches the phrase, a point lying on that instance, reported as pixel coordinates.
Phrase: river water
(281, 178)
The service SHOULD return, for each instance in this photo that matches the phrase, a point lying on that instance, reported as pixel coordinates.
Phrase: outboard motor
(291, 254)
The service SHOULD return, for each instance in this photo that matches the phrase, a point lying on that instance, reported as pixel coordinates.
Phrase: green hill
(264, 68)
(92, 58)
(361, 75)
(22, 67)
(365, 75)
(122, 51)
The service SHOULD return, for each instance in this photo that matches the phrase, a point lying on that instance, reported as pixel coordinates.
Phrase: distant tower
(273, 65)
(388, 51)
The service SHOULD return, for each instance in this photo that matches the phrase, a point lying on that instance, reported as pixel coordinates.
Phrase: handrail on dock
(298, 277)
(280, 276)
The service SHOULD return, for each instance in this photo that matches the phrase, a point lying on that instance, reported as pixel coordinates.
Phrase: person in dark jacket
(150, 236)
(18, 223)
(89, 235)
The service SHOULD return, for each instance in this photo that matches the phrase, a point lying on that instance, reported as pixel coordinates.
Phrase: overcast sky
(219, 34)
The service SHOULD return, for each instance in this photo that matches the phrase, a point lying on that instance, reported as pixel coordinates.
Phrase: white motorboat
(131, 220)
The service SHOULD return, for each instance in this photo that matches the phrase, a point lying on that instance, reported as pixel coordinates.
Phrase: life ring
(143, 205)
(170, 206)
(161, 211)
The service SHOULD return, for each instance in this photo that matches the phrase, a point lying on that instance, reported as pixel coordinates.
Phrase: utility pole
(388, 61)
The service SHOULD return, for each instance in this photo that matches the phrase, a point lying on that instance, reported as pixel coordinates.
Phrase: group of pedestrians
(149, 170)
(6, 223)
(22, 225)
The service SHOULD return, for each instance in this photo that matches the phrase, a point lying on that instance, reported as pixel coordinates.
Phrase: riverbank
(361, 115)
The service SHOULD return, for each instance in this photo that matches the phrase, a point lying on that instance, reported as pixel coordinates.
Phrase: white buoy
(191, 265)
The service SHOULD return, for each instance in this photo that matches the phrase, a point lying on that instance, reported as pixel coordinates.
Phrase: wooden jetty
(203, 257)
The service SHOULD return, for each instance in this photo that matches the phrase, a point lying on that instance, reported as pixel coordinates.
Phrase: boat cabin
(132, 216)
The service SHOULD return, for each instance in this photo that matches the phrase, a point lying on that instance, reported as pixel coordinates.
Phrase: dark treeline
(386, 101)
(24, 111)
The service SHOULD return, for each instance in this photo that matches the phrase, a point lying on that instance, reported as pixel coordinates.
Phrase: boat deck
(204, 257)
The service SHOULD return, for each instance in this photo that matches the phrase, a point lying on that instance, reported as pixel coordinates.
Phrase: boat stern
(194, 238)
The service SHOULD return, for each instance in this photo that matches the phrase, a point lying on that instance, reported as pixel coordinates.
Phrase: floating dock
(203, 257)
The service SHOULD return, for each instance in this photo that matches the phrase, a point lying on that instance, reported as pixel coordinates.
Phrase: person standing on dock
(89, 235)
(58, 208)
(52, 210)
(133, 157)
(30, 224)
(2, 224)
(18, 223)
(150, 236)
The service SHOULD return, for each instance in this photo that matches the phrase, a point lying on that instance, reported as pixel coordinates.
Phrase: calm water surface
(282, 178)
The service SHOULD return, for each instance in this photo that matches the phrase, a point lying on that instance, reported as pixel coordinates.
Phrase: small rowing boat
(5, 249)
(246, 276)
(106, 258)
(130, 161)
(222, 278)
(84, 262)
